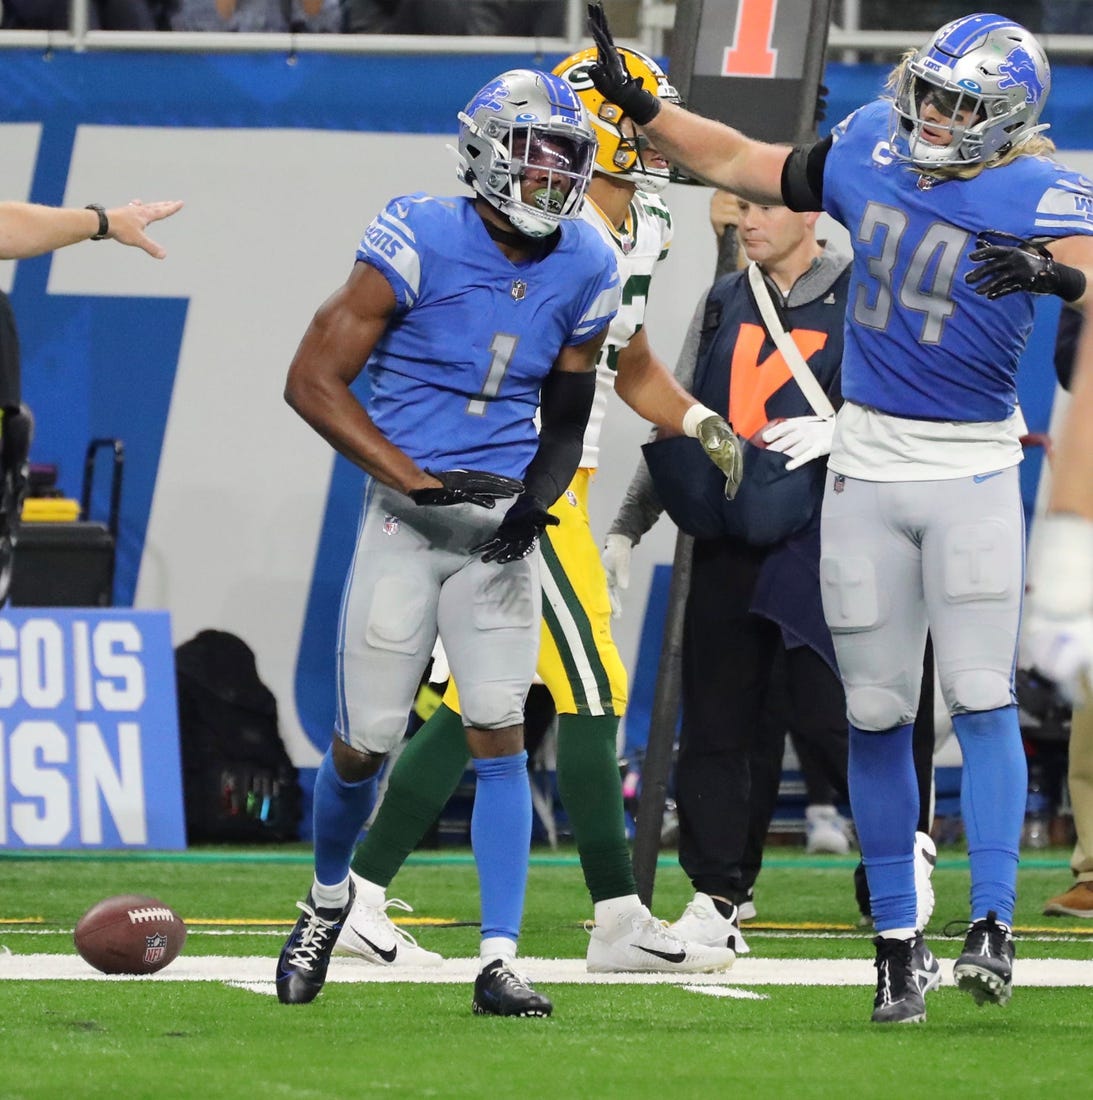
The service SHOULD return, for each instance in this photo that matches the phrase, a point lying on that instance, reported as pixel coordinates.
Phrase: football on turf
(129, 934)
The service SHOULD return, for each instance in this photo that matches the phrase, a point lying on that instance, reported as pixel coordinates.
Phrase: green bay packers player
(578, 660)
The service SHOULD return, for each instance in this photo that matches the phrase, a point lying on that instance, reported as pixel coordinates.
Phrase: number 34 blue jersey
(920, 342)
(455, 378)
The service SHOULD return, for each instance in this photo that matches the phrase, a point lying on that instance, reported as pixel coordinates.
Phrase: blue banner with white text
(89, 753)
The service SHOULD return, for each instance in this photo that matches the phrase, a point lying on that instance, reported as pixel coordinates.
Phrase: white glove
(616, 564)
(802, 438)
(1057, 629)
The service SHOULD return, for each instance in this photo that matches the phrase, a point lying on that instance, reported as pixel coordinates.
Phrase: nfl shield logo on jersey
(519, 289)
(390, 525)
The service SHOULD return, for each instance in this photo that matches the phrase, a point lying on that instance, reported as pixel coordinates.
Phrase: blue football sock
(501, 838)
(340, 811)
(993, 788)
(884, 800)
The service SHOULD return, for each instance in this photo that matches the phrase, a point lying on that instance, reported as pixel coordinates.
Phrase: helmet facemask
(520, 129)
(982, 81)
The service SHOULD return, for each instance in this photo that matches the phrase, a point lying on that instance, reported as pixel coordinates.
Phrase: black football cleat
(985, 966)
(500, 991)
(924, 965)
(301, 969)
(899, 998)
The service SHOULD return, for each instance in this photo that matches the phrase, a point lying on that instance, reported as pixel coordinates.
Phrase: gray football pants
(898, 557)
(412, 576)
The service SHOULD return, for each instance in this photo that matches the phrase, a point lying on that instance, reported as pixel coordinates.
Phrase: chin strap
(506, 236)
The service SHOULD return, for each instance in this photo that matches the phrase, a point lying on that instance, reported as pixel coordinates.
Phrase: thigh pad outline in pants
(870, 580)
(387, 624)
(973, 558)
(489, 620)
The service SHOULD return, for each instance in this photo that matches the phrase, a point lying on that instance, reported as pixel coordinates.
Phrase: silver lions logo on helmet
(519, 289)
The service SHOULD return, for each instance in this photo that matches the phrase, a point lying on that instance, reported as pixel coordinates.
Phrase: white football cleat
(925, 861)
(641, 943)
(826, 830)
(701, 923)
(369, 933)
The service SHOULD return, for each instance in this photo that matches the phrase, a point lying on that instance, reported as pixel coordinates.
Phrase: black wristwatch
(104, 221)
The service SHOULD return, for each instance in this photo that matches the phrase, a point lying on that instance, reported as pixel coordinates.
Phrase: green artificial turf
(207, 1040)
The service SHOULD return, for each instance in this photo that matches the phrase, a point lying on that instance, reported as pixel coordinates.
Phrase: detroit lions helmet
(983, 65)
(527, 119)
(617, 154)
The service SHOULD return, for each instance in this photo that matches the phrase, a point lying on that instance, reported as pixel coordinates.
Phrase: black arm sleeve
(564, 405)
(803, 176)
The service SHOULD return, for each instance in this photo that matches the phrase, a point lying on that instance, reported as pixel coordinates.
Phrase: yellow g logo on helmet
(618, 154)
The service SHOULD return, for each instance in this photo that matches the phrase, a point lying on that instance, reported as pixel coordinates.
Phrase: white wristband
(693, 417)
(1061, 565)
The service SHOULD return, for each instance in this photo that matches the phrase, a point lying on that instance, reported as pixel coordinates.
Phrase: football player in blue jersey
(470, 315)
(949, 191)
(578, 660)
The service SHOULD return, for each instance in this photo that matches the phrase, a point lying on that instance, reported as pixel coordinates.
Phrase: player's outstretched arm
(704, 148)
(28, 229)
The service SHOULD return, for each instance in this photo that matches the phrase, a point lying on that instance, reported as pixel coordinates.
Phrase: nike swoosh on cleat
(667, 956)
(388, 956)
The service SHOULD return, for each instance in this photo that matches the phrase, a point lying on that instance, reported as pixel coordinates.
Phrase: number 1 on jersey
(502, 345)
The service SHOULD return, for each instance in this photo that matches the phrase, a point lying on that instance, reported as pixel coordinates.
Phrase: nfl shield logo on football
(390, 525)
(154, 948)
(519, 289)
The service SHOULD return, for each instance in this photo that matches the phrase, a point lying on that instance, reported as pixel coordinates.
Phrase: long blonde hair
(1035, 145)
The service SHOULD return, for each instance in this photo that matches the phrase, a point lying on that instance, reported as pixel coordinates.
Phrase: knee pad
(976, 689)
(877, 707)
(492, 706)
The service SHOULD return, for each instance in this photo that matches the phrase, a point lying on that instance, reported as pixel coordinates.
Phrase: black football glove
(610, 75)
(467, 487)
(819, 112)
(524, 522)
(1023, 265)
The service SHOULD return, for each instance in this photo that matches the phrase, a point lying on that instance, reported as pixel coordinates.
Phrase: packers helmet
(617, 154)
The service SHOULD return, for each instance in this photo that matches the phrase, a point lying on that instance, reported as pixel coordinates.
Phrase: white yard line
(257, 971)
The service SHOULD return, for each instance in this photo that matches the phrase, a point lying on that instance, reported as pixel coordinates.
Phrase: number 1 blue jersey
(455, 378)
(920, 342)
